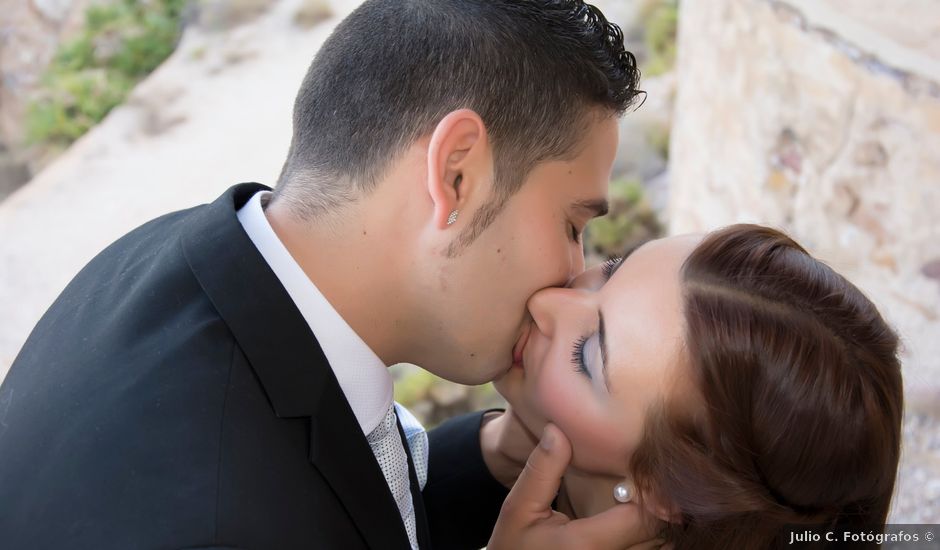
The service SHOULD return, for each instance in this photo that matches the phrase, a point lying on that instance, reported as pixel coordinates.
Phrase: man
(216, 378)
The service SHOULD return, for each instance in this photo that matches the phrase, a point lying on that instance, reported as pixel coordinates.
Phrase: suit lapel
(352, 471)
(288, 361)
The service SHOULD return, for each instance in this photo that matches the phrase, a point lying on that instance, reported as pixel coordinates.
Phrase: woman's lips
(520, 347)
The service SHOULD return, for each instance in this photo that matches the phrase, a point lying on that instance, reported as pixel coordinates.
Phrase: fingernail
(548, 439)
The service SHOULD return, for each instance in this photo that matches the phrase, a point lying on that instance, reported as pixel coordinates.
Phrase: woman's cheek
(571, 404)
(554, 397)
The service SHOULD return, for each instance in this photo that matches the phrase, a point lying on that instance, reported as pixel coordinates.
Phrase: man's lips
(520, 347)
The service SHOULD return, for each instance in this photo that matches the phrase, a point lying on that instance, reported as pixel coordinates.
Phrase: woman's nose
(549, 305)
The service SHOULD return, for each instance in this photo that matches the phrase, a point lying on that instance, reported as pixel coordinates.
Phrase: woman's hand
(506, 445)
(527, 520)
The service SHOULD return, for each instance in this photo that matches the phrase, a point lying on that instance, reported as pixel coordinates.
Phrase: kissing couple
(217, 378)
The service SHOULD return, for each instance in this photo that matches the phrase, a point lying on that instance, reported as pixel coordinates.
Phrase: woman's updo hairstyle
(801, 386)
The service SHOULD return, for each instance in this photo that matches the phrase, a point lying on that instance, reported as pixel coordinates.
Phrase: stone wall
(822, 117)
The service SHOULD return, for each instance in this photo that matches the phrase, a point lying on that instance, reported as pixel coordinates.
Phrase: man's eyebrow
(603, 337)
(596, 207)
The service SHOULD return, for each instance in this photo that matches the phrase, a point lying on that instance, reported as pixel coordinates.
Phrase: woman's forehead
(642, 309)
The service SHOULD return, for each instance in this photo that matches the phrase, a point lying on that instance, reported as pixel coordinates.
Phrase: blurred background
(819, 117)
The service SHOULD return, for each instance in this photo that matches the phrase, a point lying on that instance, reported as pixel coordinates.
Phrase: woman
(729, 386)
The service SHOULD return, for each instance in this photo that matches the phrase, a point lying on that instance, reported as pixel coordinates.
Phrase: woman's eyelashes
(577, 356)
(610, 266)
(578, 351)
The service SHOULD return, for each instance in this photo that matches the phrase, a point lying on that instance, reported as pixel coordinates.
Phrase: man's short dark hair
(532, 70)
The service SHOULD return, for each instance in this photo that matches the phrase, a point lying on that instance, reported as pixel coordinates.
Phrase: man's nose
(549, 305)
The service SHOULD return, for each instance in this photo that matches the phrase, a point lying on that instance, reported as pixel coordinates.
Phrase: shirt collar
(363, 377)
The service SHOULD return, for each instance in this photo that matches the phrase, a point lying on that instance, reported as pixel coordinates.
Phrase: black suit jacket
(174, 397)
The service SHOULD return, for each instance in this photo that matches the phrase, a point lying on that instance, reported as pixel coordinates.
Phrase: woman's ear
(458, 163)
(659, 508)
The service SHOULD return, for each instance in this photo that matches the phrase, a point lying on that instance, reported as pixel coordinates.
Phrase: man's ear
(458, 162)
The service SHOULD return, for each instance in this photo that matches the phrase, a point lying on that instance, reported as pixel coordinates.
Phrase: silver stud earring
(623, 492)
(452, 218)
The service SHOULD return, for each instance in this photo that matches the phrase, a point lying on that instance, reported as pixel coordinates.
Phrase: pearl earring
(452, 218)
(623, 492)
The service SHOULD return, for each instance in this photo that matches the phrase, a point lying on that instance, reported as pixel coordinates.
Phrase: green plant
(74, 102)
(660, 22)
(118, 45)
(657, 135)
(414, 387)
(631, 221)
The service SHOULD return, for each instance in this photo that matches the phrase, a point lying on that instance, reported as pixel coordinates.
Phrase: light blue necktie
(417, 441)
(386, 444)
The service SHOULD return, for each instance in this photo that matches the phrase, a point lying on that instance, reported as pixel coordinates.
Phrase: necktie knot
(384, 428)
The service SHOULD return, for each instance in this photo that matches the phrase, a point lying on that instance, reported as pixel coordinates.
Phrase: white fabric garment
(362, 376)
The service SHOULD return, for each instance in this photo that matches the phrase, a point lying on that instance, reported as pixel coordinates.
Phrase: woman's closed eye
(584, 354)
(587, 347)
(577, 357)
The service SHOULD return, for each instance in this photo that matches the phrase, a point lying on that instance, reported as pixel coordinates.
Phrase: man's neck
(355, 265)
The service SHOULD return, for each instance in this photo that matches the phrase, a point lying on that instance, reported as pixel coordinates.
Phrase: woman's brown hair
(802, 394)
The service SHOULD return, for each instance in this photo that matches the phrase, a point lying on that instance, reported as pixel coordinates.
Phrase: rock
(871, 154)
(445, 394)
(53, 10)
(13, 174)
(783, 117)
(645, 131)
(219, 15)
(312, 12)
(623, 14)
(931, 269)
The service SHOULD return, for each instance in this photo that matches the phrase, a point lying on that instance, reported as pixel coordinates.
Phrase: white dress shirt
(362, 376)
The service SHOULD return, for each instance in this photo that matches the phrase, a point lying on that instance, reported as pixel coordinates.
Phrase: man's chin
(472, 373)
(509, 384)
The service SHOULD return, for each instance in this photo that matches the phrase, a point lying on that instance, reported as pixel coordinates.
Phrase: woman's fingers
(527, 520)
(537, 486)
(622, 526)
(654, 544)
